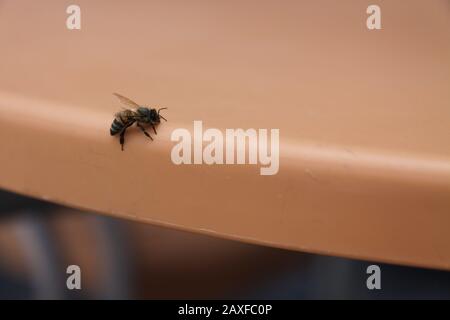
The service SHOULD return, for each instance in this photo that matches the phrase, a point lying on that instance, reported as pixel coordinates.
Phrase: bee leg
(122, 138)
(122, 135)
(143, 130)
(154, 129)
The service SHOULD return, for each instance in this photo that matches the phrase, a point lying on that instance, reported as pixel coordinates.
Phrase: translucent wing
(126, 101)
(126, 114)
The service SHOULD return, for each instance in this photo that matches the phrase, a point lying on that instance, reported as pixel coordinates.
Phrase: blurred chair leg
(46, 270)
(113, 251)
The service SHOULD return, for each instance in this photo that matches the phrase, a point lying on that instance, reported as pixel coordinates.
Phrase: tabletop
(362, 118)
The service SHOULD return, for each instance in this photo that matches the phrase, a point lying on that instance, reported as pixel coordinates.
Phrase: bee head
(151, 115)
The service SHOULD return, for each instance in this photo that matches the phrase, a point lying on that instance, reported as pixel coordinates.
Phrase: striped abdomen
(116, 126)
(123, 119)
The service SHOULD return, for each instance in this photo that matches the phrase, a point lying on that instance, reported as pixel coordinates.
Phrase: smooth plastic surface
(363, 117)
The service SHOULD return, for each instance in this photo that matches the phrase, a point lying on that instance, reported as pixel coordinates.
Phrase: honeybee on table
(137, 114)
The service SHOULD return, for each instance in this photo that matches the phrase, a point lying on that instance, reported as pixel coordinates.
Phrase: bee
(137, 114)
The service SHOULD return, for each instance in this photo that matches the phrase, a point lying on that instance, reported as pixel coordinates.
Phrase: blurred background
(122, 259)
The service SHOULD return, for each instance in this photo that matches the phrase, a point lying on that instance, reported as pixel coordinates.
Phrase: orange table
(363, 117)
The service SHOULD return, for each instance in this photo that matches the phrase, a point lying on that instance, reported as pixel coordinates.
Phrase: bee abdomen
(116, 127)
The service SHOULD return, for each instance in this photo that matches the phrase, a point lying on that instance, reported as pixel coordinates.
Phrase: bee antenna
(161, 109)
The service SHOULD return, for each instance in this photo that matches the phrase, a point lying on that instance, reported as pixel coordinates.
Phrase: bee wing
(126, 101)
(127, 115)
(120, 113)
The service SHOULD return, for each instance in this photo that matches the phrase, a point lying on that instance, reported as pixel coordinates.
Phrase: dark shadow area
(120, 259)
